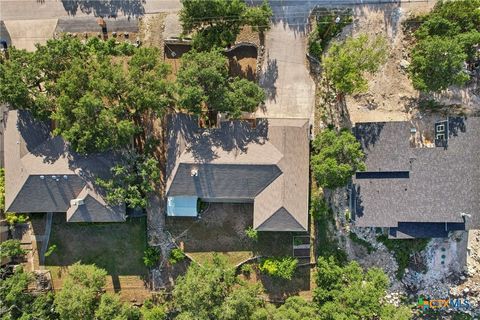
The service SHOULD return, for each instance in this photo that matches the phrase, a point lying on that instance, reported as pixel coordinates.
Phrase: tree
(151, 311)
(203, 82)
(346, 63)
(133, 180)
(296, 308)
(218, 22)
(17, 303)
(81, 289)
(11, 248)
(242, 303)
(111, 308)
(335, 158)
(437, 63)
(350, 293)
(95, 92)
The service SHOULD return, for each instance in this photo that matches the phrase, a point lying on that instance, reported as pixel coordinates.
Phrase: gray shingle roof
(266, 165)
(42, 174)
(442, 183)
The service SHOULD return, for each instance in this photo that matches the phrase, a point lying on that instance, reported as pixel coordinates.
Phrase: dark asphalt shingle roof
(42, 174)
(442, 183)
(266, 164)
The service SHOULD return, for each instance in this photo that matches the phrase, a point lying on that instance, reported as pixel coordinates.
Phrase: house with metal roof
(42, 174)
(418, 192)
(265, 163)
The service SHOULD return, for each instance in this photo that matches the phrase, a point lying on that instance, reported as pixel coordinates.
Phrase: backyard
(116, 247)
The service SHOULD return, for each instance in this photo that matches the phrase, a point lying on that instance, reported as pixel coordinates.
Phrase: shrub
(151, 255)
(251, 233)
(283, 268)
(13, 218)
(11, 248)
(176, 255)
(51, 250)
(246, 268)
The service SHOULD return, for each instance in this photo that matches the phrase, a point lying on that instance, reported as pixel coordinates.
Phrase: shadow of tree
(105, 8)
(268, 78)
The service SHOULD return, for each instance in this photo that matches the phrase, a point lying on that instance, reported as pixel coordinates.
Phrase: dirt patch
(243, 62)
(151, 29)
(172, 56)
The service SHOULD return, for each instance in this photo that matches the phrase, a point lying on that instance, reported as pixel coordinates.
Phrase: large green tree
(96, 92)
(346, 63)
(347, 292)
(336, 156)
(446, 40)
(218, 22)
(133, 180)
(80, 292)
(203, 83)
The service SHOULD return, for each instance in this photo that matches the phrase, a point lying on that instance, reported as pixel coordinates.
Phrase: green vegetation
(133, 180)
(50, 250)
(246, 268)
(116, 247)
(217, 23)
(95, 92)
(403, 250)
(283, 268)
(346, 63)
(176, 255)
(13, 218)
(203, 82)
(251, 233)
(329, 24)
(445, 41)
(336, 156)
(2, 189)
(347, 292)
(11, 248)
(353, 236)
(151, 256)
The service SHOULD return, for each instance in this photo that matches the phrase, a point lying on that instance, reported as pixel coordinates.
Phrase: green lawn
(116, 247)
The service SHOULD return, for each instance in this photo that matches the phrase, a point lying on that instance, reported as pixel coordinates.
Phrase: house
(42, 174)
(418, 192)
(265, 163)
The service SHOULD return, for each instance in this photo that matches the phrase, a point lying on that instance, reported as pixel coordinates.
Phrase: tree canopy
(346, 63)
(445, 42)
(335, 158)
(347, 292)
(95, 92)
(203, 82)
(217, 23)
(11, 248)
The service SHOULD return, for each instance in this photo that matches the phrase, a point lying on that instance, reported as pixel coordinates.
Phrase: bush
(151, 255)
(13, 218)
(251, 233)
(176, 255)
(11, 248)
(246, 268)
(283, 268)
(2, 189)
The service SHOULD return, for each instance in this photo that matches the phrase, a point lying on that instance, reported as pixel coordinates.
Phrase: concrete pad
(26, 33)
(173, 27)
(285, 77)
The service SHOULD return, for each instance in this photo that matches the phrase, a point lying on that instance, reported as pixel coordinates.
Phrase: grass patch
(402, 250)
(233, 258)
(353, 236)
(116, 247)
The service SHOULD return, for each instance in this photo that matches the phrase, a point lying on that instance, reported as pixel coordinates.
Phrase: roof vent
(65, 177)
(194, 172)
(54, 177)
(76, 202)
(42, 177)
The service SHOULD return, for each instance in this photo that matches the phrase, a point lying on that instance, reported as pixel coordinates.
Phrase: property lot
(116, 247)
(221, 228)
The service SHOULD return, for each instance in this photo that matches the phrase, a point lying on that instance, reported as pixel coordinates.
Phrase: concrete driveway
(285, 78)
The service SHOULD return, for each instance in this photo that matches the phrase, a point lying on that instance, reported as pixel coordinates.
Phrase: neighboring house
(266, 164)
(42, 174)
(418, 192)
